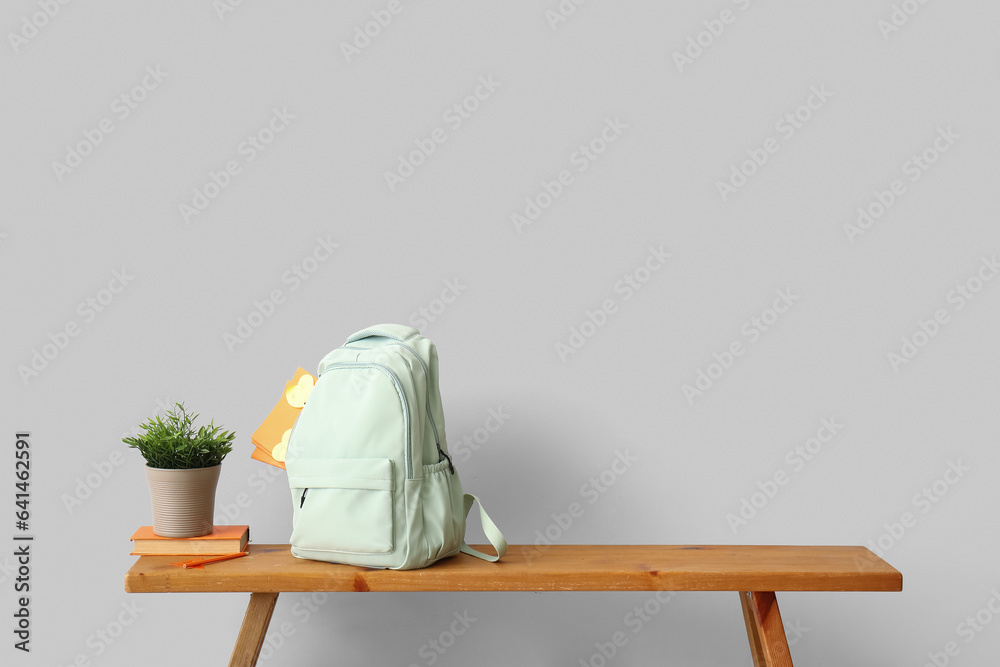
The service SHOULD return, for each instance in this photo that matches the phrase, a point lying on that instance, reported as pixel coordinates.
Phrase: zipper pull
(442, 455)
(303, 501)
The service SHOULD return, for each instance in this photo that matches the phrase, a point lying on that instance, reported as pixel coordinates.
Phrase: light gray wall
(887, 84)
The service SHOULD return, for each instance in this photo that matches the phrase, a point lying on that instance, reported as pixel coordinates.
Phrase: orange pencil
(206, 561)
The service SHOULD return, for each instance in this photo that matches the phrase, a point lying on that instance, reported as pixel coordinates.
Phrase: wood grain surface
(272, 568)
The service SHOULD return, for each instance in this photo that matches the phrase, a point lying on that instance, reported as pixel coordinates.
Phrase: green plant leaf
(173, 442)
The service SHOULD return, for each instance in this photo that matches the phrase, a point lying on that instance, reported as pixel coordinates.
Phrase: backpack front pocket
(342, 505)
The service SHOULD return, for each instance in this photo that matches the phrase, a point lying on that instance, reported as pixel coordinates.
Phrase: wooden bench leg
(753, 631)
(765, 629)
(253, 630)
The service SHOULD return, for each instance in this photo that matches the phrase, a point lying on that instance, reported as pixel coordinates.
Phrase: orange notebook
(222, 540)
(271, 437)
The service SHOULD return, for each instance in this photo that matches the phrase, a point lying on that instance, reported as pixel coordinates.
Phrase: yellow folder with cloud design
(271, 437)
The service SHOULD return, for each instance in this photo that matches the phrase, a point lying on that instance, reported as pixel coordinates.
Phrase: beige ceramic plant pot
(183, 500)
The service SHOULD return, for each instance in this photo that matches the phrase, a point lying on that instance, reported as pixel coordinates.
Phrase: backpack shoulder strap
(493, 533)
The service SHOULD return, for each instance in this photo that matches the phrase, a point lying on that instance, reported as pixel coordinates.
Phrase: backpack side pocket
(438, 510)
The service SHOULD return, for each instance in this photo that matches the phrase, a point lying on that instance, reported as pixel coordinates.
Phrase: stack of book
(222, 540)
(271, 438)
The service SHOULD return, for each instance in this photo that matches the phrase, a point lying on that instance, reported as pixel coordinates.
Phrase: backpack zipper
(443, 455)
(303, 501)
(427, 378)
(407, 463)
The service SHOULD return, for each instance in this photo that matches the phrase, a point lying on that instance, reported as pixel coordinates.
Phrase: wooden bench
(756, 572)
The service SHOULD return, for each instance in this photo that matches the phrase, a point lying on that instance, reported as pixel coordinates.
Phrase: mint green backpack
(368, 466)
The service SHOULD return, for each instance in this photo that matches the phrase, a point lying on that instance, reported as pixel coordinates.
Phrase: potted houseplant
(182, 468)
